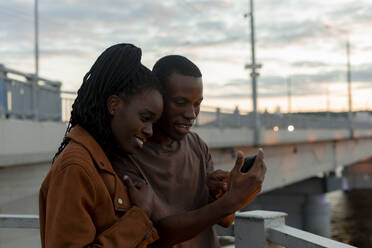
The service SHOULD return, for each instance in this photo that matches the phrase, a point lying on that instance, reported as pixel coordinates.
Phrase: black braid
(118, 70)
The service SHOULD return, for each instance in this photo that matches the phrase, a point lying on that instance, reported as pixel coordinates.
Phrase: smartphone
(248, 163)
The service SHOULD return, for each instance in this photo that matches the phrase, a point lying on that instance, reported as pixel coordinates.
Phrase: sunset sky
(301, 40)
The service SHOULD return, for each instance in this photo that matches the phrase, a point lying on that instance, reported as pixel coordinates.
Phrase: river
(351, 217)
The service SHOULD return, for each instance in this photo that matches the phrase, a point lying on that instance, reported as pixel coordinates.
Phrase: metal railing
(255, 229)
(25, 96)
(227, 118)
(28, 97)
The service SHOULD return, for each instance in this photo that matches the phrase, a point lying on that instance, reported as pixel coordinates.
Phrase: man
(177, 165)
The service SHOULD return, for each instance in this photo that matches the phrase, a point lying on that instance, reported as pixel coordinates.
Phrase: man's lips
(183, 127)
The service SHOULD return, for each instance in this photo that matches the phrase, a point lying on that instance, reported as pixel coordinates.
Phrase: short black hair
(117, 71)
(170, 64)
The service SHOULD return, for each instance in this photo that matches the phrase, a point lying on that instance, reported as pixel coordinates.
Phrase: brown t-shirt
(177, 174)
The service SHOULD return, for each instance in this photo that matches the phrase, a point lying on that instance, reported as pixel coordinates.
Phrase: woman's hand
(141, 195)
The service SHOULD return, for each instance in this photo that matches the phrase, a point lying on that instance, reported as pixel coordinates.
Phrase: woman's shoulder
(74, 154)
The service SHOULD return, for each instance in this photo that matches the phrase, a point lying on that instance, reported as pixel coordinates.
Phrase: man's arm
(241, 187)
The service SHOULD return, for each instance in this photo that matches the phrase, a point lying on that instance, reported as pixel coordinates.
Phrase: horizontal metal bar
(69, 92)
(292, 237)
(19, 221)
(29, 76)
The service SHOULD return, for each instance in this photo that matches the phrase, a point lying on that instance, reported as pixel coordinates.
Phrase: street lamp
(348, 79)
(36, 30)
(254, 74)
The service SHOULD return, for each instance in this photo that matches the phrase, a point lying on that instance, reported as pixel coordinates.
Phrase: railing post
(3, 92)
(35, 91)
(250, 228)
(59, 102)
(33, 80)
(218, 117)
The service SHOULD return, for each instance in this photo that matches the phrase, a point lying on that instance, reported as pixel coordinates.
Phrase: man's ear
(113, 104)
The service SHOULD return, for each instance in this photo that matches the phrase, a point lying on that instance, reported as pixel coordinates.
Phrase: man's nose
(190, 112)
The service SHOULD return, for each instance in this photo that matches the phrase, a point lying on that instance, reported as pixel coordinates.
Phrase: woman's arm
(67, 208)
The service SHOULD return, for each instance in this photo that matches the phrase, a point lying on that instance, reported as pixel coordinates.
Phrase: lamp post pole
(36, 23)
(348, 79)
(349, 93)
(289, 94)
(36, 75)
(253, 66)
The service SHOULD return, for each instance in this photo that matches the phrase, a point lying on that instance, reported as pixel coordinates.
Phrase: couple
(129, 173)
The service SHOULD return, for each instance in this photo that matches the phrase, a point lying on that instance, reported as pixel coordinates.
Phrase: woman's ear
(113, 104)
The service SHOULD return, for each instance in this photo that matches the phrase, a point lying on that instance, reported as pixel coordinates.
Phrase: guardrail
(254, 229)
(257, 229)
(30, 97)
(25, 96)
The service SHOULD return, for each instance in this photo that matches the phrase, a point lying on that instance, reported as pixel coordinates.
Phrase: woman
(82, 201)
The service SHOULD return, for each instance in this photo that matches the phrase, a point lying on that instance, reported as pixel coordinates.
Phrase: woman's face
(132, 119)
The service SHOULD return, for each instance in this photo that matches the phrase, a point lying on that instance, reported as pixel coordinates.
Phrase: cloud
(213, 33)
(308, 64)
(301, 84)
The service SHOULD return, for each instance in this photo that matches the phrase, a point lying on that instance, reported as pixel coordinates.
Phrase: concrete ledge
(26, 142)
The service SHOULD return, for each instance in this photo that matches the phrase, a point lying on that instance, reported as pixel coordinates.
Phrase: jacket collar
(81, 136)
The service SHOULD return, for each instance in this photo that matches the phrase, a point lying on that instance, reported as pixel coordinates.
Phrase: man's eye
(196, 104)
(180, 102)
(145, 118)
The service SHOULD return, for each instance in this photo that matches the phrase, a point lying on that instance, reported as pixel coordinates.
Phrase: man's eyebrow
(178, 98)
(148, 111)
(186, 98)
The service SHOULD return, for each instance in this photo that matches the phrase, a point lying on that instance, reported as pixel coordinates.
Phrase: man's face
(182, 99)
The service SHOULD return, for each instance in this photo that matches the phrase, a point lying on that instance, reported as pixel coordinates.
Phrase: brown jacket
(83, 203)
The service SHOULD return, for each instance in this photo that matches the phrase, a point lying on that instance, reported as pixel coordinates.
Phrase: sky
(301, 42)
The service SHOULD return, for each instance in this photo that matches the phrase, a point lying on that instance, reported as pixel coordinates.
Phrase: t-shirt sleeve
(227, 221)
(205, 153)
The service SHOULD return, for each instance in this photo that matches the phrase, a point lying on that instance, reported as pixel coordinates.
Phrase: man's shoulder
(195, 140)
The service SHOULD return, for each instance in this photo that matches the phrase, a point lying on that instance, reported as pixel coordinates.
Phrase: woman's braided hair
(118, 70)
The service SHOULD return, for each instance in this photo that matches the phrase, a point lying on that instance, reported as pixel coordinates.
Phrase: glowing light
(276, 129)
(291, 128)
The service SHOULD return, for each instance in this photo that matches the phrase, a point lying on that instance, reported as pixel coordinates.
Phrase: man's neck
(161, 138)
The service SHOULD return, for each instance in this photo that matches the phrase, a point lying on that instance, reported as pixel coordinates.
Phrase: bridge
(306, 155)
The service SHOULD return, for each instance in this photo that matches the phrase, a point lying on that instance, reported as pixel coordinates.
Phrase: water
(351, 217)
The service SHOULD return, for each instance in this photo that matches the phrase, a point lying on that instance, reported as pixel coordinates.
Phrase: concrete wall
(28, 142)
(291, 163)
(230, 137)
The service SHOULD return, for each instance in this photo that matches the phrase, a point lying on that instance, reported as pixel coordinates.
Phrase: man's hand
(141, 195)
(243, 187)
(217, 182)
